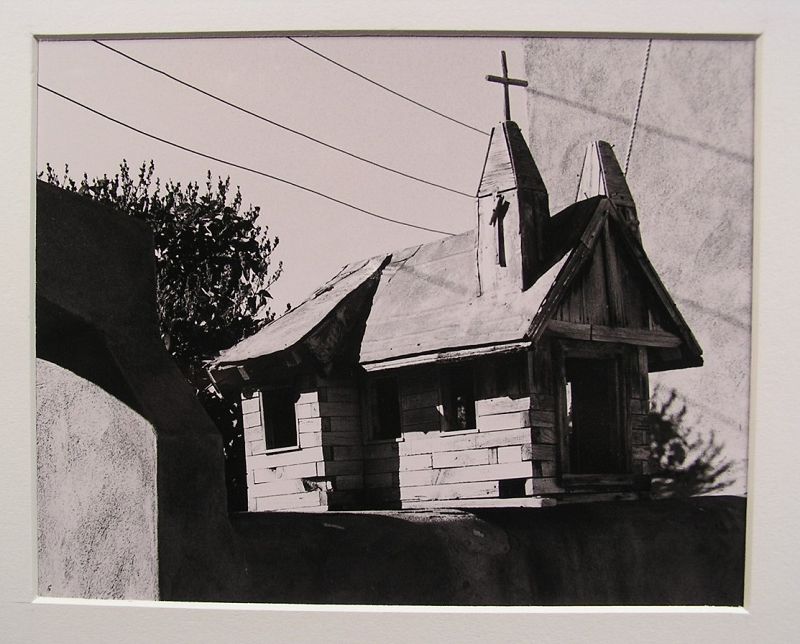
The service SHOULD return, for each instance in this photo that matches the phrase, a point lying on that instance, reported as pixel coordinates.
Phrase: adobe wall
(676, 552)
(96, 318)
(691, 175)
(96, 493)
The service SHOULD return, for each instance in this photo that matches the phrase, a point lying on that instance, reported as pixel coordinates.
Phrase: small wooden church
(504, 366)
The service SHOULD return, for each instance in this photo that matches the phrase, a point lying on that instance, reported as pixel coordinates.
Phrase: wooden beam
(448, 355)
(521, 502)
(625, 335)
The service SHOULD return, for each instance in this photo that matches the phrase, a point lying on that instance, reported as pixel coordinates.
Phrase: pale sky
(280, 80)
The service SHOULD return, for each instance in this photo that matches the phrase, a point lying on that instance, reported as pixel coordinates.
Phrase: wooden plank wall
(341, 438)
(428, 466)
(278, 480)
(541, 375)
(609, 291)
(326, 469)
(337, 466)
(638, 422)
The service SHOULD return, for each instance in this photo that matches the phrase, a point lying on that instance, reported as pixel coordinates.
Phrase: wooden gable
(608, 291)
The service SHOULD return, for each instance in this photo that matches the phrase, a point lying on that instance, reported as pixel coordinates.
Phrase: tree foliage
(212, 259)
(213, 270)
(683, 462)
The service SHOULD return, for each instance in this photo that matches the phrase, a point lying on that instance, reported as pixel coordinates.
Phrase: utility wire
(638, 106)
(280, 125)
(241, 167)
(383, 87)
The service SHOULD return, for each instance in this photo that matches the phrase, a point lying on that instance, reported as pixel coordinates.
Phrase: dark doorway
(594, 418)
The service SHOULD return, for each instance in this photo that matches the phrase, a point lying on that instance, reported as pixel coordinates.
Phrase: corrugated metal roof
(293, 326)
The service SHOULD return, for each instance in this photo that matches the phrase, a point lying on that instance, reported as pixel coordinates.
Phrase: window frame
(576, 349)
(292, 392)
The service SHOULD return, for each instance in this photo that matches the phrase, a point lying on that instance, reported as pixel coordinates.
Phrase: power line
(241, 167)
(280, 125)
(638, 106)
(383, 87)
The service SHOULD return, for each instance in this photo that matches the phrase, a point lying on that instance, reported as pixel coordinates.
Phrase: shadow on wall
(71, 342)
(683, 462)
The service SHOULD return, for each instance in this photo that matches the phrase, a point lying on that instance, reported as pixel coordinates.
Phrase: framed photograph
(510, 280)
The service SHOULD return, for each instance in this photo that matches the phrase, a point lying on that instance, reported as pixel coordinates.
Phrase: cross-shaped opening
(498, 215)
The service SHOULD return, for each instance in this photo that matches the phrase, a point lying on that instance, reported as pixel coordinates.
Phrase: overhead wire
(240, 166)
(385, 88)
(638, 106)
(281, 125)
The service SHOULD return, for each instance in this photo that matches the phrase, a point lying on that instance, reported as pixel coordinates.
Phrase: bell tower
(513, 207)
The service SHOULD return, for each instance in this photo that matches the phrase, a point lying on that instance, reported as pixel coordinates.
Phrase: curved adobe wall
(96, 317)
(96, 497)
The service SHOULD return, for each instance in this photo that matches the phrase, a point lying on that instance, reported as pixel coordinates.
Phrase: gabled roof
(423, 303)
(292, 327)
(689, 354)
(427, 300)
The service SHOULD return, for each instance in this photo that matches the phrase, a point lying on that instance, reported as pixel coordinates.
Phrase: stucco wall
(97, 509)
(96, 317)
(691, 175)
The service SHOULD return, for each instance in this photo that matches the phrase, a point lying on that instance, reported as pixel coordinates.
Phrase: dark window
(280, 423)
(511, 375)
(385, 409)
(511, 488)
(459, 398)
(593, 422)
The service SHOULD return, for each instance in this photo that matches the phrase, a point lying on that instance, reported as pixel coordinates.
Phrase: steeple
(513, 207)
(601, 175)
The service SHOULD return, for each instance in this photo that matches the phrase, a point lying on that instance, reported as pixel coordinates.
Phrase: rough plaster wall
(95, 276)
(691, 175)
(96, 465)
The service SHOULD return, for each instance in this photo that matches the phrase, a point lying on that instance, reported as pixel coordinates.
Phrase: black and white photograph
(415, 320)
(398, 322)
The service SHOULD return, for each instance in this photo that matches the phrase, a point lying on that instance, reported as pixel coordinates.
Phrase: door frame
(564, 349)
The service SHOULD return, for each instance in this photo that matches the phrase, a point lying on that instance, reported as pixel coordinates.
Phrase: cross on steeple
(506, 81)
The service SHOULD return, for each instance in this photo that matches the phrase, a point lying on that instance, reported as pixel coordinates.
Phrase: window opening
(459, 399)
(280, 421)
(385, 408)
